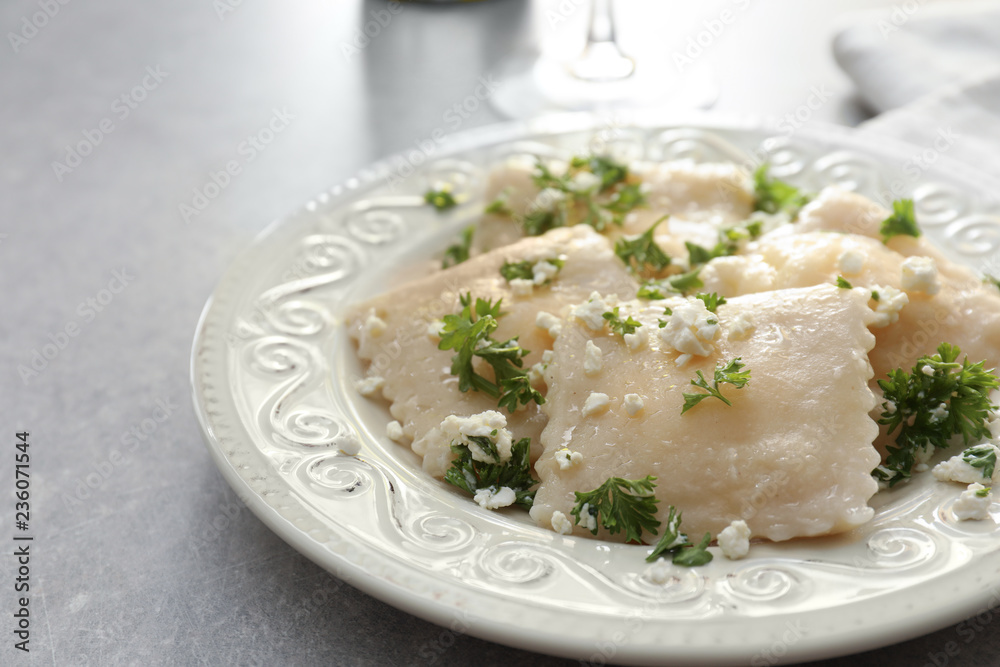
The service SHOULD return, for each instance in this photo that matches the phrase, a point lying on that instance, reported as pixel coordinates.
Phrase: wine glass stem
(602, 59)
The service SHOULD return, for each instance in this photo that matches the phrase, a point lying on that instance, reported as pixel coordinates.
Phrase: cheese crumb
(890, 302)
(587, 520)
(435, 328)
(543, 272)
(549, 322)
(920, 275)
(637, 339)
(583, 181)
(522, 287)
(489, 424)
(492, 498)
(957, 469)
(740, 327)
(370, 385)
(592, 311)
(633, 404)
(561, 524)
(971, 506)
(593, 359)
(374, 325)
(567, 458)
(734, 540)
(851, 262)
(691, 329)
(659, 572)
(596, 403)
(394, 430)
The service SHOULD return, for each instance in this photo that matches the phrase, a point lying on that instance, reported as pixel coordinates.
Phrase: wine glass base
(531, 86)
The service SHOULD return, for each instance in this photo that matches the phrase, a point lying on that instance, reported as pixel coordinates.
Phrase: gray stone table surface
(141, 553)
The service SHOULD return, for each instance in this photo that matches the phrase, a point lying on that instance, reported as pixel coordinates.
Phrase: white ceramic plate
(273, 371)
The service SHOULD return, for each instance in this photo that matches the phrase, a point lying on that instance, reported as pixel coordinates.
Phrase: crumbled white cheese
(374, 325)
(567, 458)
(691, 329)
(535, 373)
(596, 403)
(369, 386)
(544, 272)
(940, 413)
(492, 498)
(659, 572)
(920, 275)
(435, 328)
(491, 424)
(561, 524)
(851, 262)
(740, 327)
(924, 454)
(522, 287)
(592, 311)
(637, 339)
(549, 322)
(547, 356)
(547, 197)
(890, 302)
(971, 506)
(927, 370)
(957, 469)
(633, 404)
(348, 443)
(583, 181)
(394, 430)
(587, 520)
(593, 359)
(734, 540)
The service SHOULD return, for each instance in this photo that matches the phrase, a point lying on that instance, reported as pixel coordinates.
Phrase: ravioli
(392, 331)
(792, 455)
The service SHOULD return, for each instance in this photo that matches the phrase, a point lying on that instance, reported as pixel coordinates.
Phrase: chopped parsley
(682, 283)
(617, 196)
(902, 222)
(458, 252)
(441, 199)
(982, 493)
(711, 301)
(471, 475)
(698, 255)
(773, 195)
(732, 373)
(911, 400)
(468, 333)
(620, 326)
(620, 505)
(843, 284)
(500, 205)
(642, 251)
(678, 547)
(981, 456)
(525, 270)
(991, 280)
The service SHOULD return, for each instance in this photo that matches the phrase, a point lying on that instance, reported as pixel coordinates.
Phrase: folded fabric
(934, 70)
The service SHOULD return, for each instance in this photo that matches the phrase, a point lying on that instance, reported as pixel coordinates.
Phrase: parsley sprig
(441, 199)
(471, 475)
(711, 300)
(459, 251)
(773, 195)
(732, 373)
(468, 333)
(629, 506)
(620, 326)
(981, 456)
(525, 270)
(912, 398)
(902, 222)
(682, 283)
(620, 505)
(608, 201)
(642, 251)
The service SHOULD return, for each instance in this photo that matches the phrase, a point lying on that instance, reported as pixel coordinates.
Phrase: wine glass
(599, 77)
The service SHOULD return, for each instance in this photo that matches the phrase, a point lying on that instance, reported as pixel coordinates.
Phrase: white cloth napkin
(933, 70)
